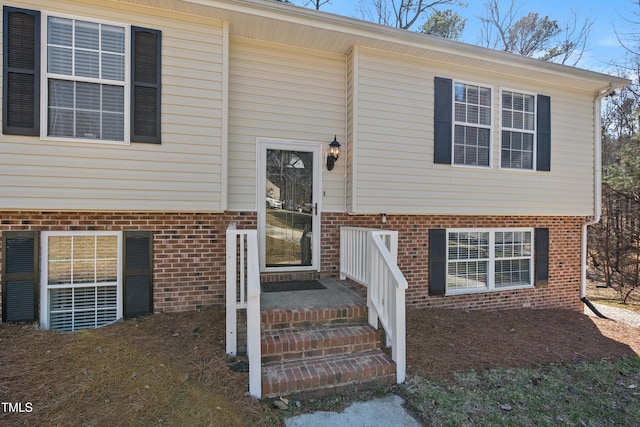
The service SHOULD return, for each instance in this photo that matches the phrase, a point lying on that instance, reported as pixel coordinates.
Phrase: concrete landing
(336, 293)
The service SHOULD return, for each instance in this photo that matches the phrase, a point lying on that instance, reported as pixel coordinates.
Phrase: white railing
(243, 292)
(369, 256)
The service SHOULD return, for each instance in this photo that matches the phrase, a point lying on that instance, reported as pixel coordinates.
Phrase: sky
(602, 49)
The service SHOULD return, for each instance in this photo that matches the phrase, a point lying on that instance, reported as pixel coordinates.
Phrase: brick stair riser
(290, 344)
(297, 318)
(311, 378)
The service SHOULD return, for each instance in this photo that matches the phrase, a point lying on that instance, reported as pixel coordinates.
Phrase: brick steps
(280, 318)
(315, 341)
(311, 351)
(329, 374)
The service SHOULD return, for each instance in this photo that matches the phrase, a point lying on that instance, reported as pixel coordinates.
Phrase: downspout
(597, 215)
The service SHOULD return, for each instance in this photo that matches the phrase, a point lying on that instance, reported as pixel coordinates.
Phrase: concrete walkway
(384, 412)
(618, 314)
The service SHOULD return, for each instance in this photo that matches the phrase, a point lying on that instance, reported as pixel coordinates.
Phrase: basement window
(481, 260)
(81, 283)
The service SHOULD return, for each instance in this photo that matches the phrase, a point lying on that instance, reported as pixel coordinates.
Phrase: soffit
(301, 27)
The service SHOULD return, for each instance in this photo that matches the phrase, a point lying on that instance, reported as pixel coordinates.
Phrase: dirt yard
(171, 369)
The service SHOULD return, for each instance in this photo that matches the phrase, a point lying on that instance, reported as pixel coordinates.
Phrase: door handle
(315, 209)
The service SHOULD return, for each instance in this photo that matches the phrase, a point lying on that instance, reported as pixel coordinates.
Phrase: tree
(532, 35)
(400, 13)
(316, 4)
(614, 243)
(446, 24)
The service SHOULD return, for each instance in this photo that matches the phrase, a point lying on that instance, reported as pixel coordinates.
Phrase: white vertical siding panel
(396, 172)
(182, 173)
(282, 93)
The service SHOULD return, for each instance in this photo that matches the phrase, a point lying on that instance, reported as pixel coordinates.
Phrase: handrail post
(372, 281)
(232, 339)
(253, 317)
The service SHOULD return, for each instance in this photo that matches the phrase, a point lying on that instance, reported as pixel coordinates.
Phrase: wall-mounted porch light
(334, 153)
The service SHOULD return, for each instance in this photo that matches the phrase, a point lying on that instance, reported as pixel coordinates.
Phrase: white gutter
(597, 169)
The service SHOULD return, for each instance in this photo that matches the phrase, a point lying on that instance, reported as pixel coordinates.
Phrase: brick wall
(189, 253)
(413, 253)
(188, 248)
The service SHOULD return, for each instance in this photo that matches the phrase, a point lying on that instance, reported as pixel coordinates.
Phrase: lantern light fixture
(334, 153)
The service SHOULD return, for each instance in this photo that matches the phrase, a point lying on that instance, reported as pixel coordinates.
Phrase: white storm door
(289, 180)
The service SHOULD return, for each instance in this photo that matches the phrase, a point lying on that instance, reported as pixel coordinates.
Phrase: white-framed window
(518, 130)
(85, 83)
(489, 259)
(81, 279)
(472, 124)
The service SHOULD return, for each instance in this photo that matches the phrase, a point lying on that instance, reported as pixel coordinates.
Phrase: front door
(289, 205)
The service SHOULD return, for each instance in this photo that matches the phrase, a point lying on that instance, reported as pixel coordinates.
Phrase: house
(134, 132)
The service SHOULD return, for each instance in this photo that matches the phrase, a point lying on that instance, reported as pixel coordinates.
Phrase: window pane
(485, 96)
(113, 67)
(529, 120)
(88, 96)
(518, 120)
(530, 103)
(88, 124)
(507, 100)
(460, 92)
(60, 122)
(112, 39)
(461, 113)
(507, 119)
(472, 114)
(87, 35)
(113, 127)
(113, 98)
(59, 60)
(59, 31)
(472, 95)
(61, 93)
(87, 64)
(485, 116)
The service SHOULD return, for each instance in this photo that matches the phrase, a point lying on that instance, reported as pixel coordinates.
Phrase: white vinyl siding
(395, 172)
(81, 283)
(286, 94)
(485, 260)
(183, 173)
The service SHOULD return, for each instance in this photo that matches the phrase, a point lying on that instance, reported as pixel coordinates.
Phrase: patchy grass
(583, 394)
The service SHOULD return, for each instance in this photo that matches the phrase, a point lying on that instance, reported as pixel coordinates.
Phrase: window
(480, 260)
(85, 79)
(462, 127)
(472, 125)
(80, 79)
(81, 280)
(518, 130)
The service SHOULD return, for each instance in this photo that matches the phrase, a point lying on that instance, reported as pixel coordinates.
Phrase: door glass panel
(289, 208)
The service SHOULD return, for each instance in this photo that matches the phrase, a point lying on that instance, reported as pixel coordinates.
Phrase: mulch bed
(47, 368)
(442, 342)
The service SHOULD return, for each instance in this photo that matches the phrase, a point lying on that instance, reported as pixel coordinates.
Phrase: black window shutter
(21, 72)
(146, 85)
(138, 273)
(541, 256)
(437, 261)
(443, 120)
(543, 159)
(20, 276)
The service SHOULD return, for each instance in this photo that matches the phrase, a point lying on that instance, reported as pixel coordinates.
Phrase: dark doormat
(291, 285)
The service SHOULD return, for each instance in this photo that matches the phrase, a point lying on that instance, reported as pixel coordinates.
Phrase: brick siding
(189, 253)
(565, 233)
